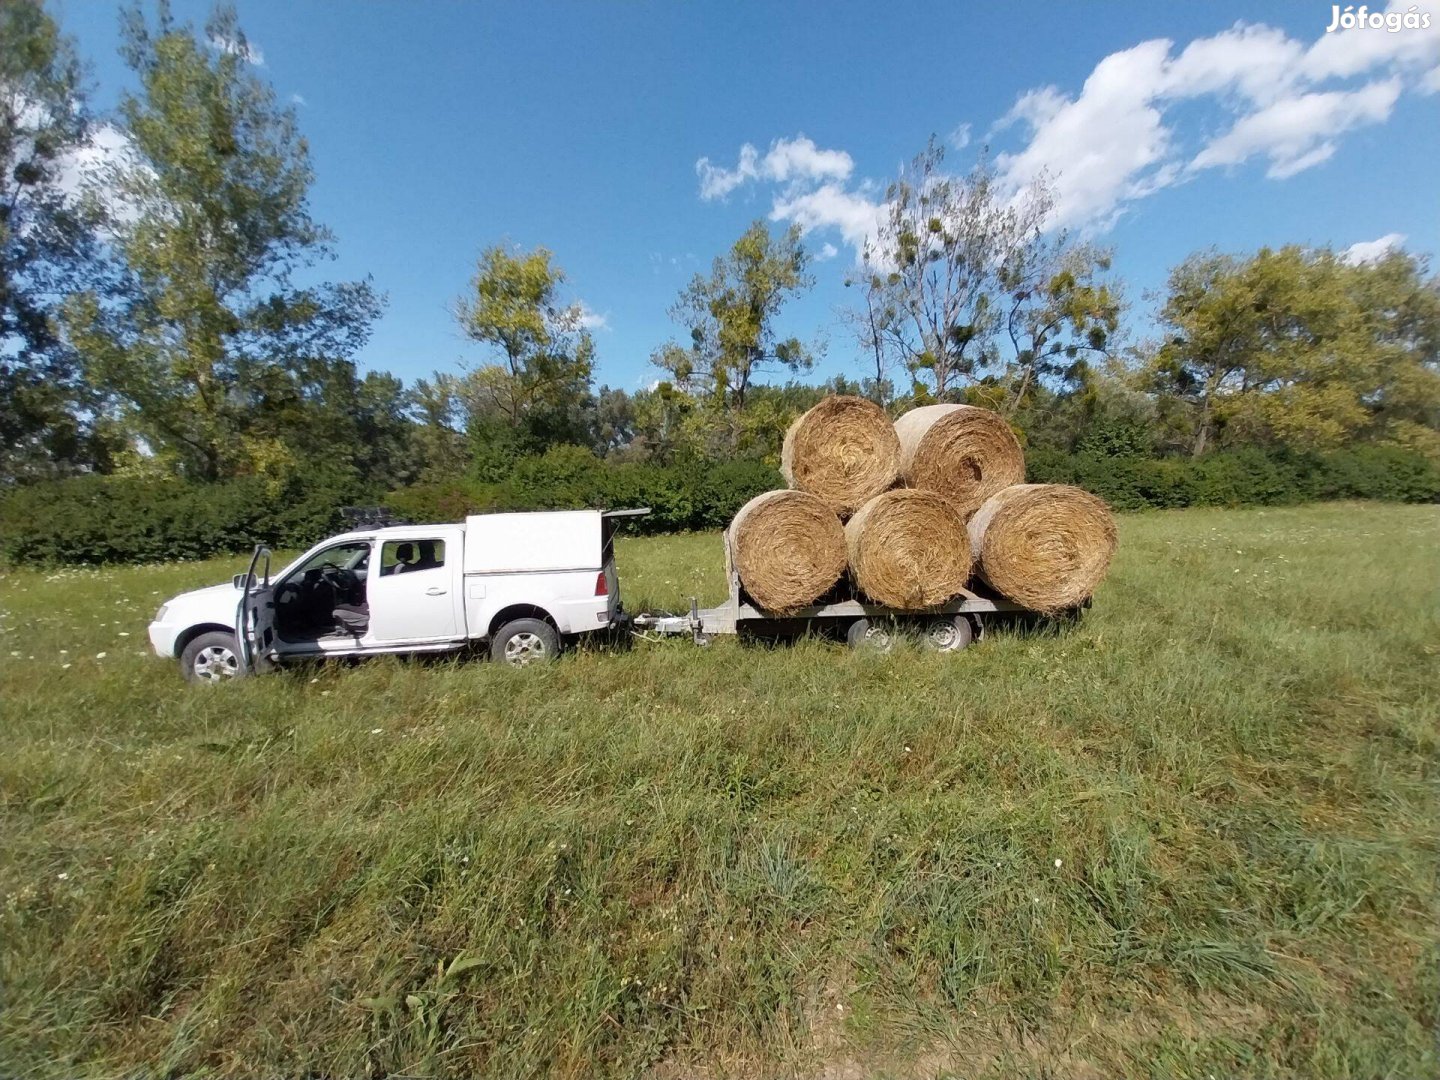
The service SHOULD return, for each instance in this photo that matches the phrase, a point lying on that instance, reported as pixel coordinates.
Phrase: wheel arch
(519, 611)
(190, 633)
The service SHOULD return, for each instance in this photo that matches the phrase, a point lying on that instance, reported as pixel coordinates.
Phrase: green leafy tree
(47, 250)
(1062, 315)
(1296, 347)
(437, 439)
(538, 392)
(729, 316)
(211, 222)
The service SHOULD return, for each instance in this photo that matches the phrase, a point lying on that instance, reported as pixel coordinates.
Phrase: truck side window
(410, 556)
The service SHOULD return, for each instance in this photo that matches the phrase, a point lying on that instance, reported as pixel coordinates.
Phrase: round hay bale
(1045, 546)
(789, 549)
(844, 451)
(909, 549)
(962, 452)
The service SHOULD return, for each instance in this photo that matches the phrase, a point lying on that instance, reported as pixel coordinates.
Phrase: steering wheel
(345, 580)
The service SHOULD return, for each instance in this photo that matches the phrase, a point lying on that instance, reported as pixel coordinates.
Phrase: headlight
(160, 615)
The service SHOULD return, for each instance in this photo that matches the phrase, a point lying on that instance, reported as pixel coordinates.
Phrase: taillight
(602, 587)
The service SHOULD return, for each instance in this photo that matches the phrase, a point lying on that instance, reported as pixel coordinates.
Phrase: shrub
(98, 519)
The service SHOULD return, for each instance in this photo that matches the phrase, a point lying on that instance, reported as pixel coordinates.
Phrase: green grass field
(1195, 835)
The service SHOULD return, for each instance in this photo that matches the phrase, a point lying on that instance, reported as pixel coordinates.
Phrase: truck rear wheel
(525, 641)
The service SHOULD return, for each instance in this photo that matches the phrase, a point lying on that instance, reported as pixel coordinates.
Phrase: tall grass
(1194, 835)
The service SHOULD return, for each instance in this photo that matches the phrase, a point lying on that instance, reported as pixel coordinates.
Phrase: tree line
(166, 317)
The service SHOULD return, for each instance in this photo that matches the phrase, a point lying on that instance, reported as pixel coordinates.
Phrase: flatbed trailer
(948, 627)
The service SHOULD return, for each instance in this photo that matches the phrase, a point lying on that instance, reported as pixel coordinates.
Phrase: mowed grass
(1195, 835)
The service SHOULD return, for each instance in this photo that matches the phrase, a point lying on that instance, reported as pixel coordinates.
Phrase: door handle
(432, 591)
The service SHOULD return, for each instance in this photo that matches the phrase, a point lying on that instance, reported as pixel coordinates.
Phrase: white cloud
(245, 50)
(298, 99)
(827, 251)
(87, 165)
(1134, 127)
(1119, 139)
(1298, 132)
(1369, 251)
(1353, 52)
(830, 206)
(1255, 61)
(796, 160)
(590, 319)
(717, 182)
(1106, 145)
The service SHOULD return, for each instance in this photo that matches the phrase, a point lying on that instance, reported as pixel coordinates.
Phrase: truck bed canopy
(541, 542)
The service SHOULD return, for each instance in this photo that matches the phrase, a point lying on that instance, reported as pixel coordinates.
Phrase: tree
(537, 395)
(1061, 315)
(730, 319)
(437, 439)
(210, 220)
(931, 269)
(1296, 347)
(47, 249)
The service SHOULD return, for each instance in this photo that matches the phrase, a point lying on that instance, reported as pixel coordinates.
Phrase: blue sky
(594, 129)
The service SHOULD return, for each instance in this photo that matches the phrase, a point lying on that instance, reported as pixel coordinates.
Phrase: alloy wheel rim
(216, 663)
(524, 648)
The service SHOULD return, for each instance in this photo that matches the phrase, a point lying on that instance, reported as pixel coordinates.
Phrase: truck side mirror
(239, 580)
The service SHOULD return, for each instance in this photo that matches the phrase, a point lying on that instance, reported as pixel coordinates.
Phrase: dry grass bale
(789, 549)
(909, 549)
(844, 450)
(1045, 546)
(962, 452)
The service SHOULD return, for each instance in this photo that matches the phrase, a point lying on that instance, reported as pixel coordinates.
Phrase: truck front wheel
(210, 659)
(525, 641)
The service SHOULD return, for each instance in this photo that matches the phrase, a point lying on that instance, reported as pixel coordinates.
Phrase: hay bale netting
(909, 549)
(962, 452)
(789, 549)
(844, 451)
(1045, 546)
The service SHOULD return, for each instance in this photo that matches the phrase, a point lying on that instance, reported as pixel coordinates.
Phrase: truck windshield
(352, 555)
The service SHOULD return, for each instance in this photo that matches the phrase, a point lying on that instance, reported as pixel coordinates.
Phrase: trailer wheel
(877, 637)
(524, 642)
(948, 634)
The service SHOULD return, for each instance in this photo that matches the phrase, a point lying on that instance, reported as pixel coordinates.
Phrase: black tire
(525, 641)
(877, 637)
(947, 634)
(211, 659)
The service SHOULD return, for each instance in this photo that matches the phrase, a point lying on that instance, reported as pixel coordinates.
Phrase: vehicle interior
(325, 597)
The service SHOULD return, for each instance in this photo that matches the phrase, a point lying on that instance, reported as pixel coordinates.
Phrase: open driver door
(255, 614)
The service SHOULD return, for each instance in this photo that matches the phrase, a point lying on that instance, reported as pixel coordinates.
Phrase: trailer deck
(737, 611)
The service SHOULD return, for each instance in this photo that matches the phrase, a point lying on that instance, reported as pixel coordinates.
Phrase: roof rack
(371, 517)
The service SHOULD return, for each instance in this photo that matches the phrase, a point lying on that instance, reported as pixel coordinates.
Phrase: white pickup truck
(521, 582)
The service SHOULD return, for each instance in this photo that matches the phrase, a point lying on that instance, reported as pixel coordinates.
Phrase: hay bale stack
(1045, 546)
(909, 549)
(789, 549)
(962, 452)
(844, 451)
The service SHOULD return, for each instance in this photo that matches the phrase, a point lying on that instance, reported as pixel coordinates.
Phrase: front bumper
(162, 638)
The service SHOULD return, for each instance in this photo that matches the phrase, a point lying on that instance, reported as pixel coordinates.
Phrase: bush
(1246, 477)
(98, 519)
(101, 519)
